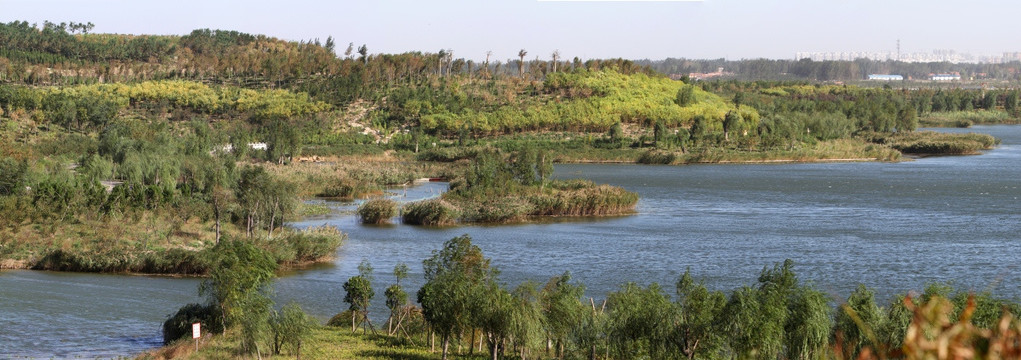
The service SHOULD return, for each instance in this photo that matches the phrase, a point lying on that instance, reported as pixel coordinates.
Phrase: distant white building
(229, 147)
(945, 77)
(885, 77)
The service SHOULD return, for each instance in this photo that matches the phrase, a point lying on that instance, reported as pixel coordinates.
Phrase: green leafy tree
(239, 283)
(859, 322)
(1010, 103)
(659, 133)
(907, 119)
(699, 128)
(290, 326)
(685, 96)
(526, 318)
(12, 175)
(358, 294)
(455, 277)
(562, 309)
(753, 323)
(731, 123)
(523, 165)
(493, 313)
(640, 321)
(363, 51)
(695, 333)
(396, 297)
(544, 166)
(808, 326)
(616, 133)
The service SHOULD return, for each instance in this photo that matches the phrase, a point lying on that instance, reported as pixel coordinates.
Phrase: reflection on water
(891, 226)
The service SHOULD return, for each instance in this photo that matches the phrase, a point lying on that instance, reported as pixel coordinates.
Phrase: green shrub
(316, 243)
(657, 157)
(433, 212)
(179, 325)
(311, 244)
(341, 320)
(347, 189)
(12, 176)
(174, 261)
(377, 211)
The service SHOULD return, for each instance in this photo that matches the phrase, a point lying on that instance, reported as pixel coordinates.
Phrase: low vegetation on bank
(933, 143)
(964, 119)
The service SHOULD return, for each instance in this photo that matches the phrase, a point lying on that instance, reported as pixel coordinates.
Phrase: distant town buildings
(884, 77)
(703, 76)
(950, 56)
(1011, 56)
(945, 77)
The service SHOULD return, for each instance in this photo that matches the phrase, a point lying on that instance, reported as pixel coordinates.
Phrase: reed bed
(933, 143)
(377, 211)
(432, 212)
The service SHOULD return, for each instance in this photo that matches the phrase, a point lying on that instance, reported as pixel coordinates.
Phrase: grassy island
(498, 188)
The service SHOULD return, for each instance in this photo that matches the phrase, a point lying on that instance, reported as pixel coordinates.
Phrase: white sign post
(196, 332)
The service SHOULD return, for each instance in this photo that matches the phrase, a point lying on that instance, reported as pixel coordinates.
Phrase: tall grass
(963, 119)
(933, 143)
(377, 211)
(582, 198)
(432, 212)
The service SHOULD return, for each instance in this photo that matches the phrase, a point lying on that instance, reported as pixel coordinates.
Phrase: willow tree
(640, 320)
(858, 322)
(562, 309)
(456, 277)
(239, 284)
(695, 333)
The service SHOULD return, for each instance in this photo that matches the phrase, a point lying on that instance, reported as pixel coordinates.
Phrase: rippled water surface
(892, 226)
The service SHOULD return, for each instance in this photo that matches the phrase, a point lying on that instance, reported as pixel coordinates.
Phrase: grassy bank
(830, 150)
(322, 343)
(148, 243)
(933, 143)
(963, 119)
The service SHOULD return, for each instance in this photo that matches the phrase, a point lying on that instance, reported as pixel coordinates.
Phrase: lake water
(892, 226)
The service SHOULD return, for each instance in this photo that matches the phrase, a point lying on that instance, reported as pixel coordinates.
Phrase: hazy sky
(588, 29)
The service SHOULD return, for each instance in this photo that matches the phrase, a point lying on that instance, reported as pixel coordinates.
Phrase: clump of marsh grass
(377, 211)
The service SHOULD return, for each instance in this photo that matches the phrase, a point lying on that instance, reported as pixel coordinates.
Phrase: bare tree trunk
(471, 348)
(446, 345)
(272, 220)
(216, 212)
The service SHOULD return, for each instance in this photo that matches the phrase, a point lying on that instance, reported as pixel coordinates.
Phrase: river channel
(892, 226)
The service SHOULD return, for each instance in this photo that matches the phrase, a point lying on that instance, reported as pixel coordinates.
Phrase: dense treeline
(464, 307)
(778, 317)
(805, 69)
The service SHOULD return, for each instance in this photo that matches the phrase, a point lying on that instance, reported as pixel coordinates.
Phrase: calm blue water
(892, 226)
